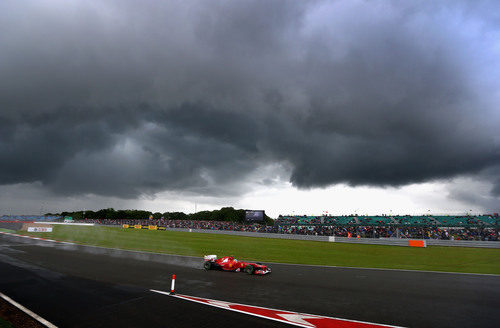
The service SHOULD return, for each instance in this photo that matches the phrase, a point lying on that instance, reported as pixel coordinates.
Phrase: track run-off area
(85, 286)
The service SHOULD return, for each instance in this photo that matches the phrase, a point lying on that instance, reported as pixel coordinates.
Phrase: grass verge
(452, 259)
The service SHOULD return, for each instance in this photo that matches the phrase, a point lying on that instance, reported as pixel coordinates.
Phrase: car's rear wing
(210, 257)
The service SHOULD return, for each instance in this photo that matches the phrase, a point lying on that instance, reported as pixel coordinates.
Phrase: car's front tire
(207, 265)
(249, 269)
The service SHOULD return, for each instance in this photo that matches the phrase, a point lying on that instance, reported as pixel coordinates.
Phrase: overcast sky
(288, 106)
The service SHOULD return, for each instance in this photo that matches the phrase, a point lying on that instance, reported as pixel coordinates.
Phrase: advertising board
(39, 229)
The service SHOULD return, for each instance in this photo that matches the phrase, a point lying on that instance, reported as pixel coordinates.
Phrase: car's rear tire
(249, 269)
(207, 265)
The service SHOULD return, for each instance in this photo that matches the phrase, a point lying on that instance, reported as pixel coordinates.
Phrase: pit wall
(369, 241)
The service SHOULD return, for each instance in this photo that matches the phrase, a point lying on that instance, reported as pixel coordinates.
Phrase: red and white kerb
(293, 318)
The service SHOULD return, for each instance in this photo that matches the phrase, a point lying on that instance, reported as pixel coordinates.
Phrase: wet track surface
(77, 286)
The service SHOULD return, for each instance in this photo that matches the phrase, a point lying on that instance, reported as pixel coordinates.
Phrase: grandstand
(480, 221)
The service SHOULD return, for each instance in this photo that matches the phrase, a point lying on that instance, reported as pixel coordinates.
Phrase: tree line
(224, 214)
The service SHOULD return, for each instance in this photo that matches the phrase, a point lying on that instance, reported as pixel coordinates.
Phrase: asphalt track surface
(79, 286)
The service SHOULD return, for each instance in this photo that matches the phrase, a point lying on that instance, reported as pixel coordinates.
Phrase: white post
(172, 287)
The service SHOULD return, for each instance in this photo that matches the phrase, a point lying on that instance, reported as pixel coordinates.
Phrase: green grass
(453, 259)
(7, 230)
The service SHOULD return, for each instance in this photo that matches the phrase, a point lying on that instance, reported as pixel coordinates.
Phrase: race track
(79, 286)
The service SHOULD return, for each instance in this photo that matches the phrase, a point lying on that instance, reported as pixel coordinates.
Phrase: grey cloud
(491, 175)
(125, 99)
(480, 191)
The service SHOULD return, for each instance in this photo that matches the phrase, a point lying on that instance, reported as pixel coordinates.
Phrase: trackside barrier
(39, 229)
(137, 226)
(255, 234)
(335, 239)
(463, 243)
(64, 223)
(416, 243)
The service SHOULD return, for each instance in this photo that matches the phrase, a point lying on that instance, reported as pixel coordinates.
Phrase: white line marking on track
(293, 264)
(308, 265)
(27, 311)
(35, 238)
(386, 269)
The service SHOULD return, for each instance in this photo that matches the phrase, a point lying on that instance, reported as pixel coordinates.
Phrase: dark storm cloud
(126, 98)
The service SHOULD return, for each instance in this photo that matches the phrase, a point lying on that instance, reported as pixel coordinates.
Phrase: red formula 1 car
(228, 263)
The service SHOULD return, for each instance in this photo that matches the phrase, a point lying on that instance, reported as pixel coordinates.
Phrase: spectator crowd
(352, 231)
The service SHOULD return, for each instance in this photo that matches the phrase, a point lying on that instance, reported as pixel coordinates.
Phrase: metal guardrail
(373, 241)
(367, 241)
(254, 234)
(464, 243)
